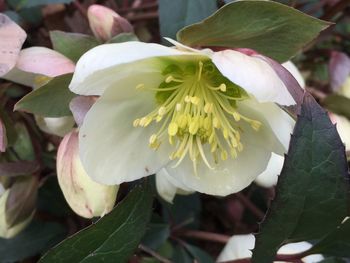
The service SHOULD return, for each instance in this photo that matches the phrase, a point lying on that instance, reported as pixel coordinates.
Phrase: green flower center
(197, 105)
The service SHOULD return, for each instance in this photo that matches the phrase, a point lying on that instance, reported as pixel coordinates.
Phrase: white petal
(279, 121)
(238, 247)
(57, 126)
(270, 176)
(165, 188)
(254, 75)
(294, 248)
(232, 175)
(343, 128)
(289, 65)
(168, 187)
(111, 149)
(104, 66)
(183, 47)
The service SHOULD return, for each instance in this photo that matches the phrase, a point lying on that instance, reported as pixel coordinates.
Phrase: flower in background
(86, 197)
(240, 246)
(209, 118)
(6, 230)
(35, 67)
(105, 23)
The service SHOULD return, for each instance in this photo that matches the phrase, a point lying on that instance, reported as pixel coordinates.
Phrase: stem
(80, 8)
(334, 10)
(208, 236)
(154, 254)
(252, 207)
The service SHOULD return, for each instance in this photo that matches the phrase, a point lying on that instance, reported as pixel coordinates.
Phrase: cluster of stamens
(197, 107)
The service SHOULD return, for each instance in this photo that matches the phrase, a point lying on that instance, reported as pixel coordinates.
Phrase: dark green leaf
(123, 37)
(273, 29)
(337, 104)
(334, 260)
(113, 238)
(181, 256)
(312, 191)
(174, 15)
(156, 235)
(51, 198)
(37, 237)
(72, 45)
(184, 210)
(50, 100)
(21, 201)
(336, 243)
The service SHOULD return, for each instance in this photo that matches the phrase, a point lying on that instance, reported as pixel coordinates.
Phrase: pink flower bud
(86, 197)
(105, 23)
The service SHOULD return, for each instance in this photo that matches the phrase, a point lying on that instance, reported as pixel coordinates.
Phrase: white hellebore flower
(209, 118)
(241, 246)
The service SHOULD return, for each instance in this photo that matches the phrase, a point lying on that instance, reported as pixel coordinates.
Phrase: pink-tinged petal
(12, 38)
(44, 61)
(339, 69)
(79, 106)
(254, 75)
(105, 23)
(289, 81)
(3, 137)
(290, 66)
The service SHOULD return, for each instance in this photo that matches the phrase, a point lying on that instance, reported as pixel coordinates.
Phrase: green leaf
(174, 15)
(337, 104)
(156, 235)
(180, 255)
(37, 237)
(72, 45)
(337, 243)
(113, 237)
(50, 100)
(123, 37)
(312, 191)
(273, 29)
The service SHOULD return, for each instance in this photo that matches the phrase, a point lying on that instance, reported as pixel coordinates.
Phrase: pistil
(197, 106)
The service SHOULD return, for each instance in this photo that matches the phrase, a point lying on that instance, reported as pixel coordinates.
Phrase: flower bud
(105, 23)
(7, 231)
(58, 126)
(86, 197)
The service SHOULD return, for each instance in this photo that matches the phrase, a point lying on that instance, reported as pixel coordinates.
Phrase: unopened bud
(59, 126)
(105, 23)
(86, 197)
(6, 230)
